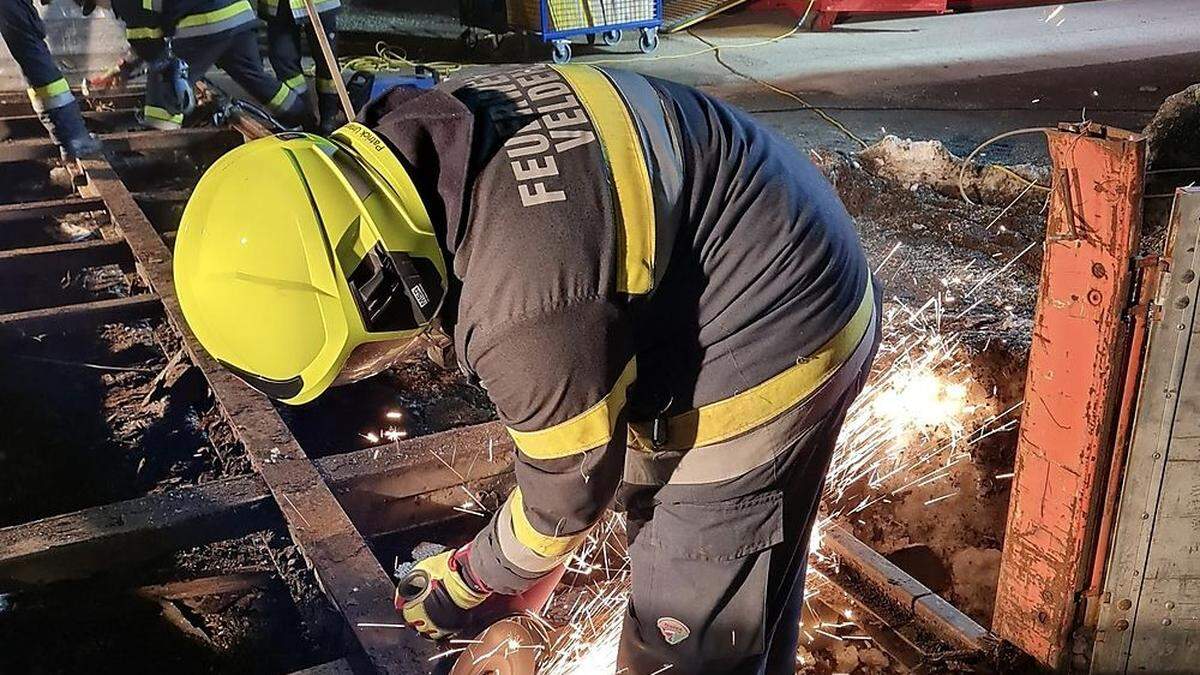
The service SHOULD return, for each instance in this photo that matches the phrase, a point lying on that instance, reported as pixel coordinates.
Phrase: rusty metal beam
(85, 313)
(938, 617)
(57, 257)
(384, 489)
(121, 141)
(1076, 365)
(352, 578)
(10, 213)
(832, 601)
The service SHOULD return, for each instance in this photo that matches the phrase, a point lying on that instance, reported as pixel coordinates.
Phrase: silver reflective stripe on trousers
(301, 12)
(737, 456)
(516, 552)
(41, 105)
(188, 32)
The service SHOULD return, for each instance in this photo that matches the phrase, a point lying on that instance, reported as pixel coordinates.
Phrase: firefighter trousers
(238, 55)
(718, 566)
(284, 49)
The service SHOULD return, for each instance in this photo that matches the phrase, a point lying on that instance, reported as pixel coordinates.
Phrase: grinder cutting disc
(507, 647)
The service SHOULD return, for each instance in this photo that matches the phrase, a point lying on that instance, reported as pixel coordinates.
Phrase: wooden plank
(121, 141)
(1076, 366)
(339, 667)
(386, 489)
(352, 578)
(75, 545)
(30, 126)
(57, 257)
(162, 196)
(86, 313)
(232, 582)
(52, 207)
(17, 103)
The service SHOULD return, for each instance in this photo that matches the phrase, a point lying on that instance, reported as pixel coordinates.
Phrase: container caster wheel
(611, 37)
(648, 40)
(591, 38)
(560, 53)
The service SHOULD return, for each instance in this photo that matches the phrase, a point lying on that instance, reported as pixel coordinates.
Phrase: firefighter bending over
(667, 303)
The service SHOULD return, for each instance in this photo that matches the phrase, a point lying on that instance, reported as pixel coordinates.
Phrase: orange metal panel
(1076, 364)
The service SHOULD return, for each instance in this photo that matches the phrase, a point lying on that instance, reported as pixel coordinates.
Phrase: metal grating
(565, 15)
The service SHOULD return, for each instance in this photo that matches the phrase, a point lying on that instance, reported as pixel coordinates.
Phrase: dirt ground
(928, 243)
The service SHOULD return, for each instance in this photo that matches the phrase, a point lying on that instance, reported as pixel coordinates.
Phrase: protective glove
(437, 596)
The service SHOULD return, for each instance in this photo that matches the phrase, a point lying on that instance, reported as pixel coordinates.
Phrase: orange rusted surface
(1073, 386)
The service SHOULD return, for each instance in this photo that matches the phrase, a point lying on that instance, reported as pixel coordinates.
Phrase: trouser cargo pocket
(700, 573)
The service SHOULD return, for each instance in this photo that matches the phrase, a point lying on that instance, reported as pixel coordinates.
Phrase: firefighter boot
(66, 128)
(330, 110)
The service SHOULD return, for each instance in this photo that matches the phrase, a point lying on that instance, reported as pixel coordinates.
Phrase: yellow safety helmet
(301, 258)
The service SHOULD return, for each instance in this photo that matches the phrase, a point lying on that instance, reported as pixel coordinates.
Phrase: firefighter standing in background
(658, 293)
(286, 21)
(201, 33)
(25, 35)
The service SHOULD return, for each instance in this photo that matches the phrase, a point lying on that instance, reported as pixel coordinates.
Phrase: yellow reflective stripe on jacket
(589, 429)
(549, 548)
(143, 33)
(194, 24)
(730, 417)
(631, 177)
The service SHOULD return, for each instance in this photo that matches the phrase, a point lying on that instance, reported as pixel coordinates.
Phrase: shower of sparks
(911, 425)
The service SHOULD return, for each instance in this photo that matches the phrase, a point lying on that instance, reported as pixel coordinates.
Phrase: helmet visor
(372, 358)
